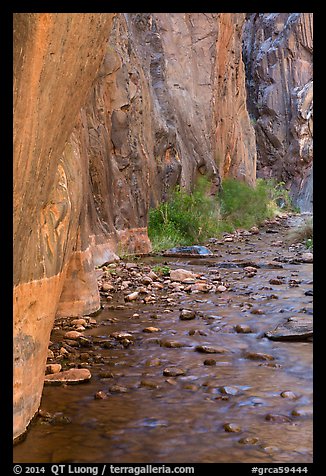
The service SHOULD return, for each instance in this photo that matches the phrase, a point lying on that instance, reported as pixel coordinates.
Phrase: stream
(227, 406)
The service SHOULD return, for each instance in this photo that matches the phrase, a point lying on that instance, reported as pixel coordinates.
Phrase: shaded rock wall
(278, 52)
(110, 112)
(56, 57)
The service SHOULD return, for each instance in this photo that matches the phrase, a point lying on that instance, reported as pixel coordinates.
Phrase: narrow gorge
(112, 111)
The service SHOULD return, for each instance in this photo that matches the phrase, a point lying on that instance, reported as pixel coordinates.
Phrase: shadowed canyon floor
(174, 386)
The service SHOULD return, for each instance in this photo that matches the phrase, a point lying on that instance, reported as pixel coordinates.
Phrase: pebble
(304, 411)
(226, 390)
(288, 394)
(107, 287)
(270, 449)
(307, 257)
(182, 275)
(79, 322)
(173, 372)
(221, 288)
(151, 329)
(106, 375)
(50, 354)
(132, 296)
(52, 369)
(191, 386)
(256, 311)
(73, 335)
(210, 350)
(121, 335)
(187, 315)
(172, 344)
(209, 362)
(63, 351)
(254, 230)
(232, 428)
(250, 269)
(277, 418)
(100, 395)
(258, 356)
(70, 376)
(243, 329)
(249, 440)
(276, 281)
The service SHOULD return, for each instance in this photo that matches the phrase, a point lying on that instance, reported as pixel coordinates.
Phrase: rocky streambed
(192, 358)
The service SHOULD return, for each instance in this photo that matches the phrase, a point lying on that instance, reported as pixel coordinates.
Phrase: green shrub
(185, 219)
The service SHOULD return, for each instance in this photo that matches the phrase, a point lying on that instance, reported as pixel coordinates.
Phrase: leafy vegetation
(186, 218)
(303, 233)
(161, 270)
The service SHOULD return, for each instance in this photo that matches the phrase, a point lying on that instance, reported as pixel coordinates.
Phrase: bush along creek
(199, 353)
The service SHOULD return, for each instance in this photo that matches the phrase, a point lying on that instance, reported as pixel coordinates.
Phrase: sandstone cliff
(106, 121)
(278, 49)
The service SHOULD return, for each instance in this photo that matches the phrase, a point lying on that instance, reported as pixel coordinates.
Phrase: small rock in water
(187, 315)
(70, 376)
(221, 288)
(121, 335)
(52, 369)
(256, 311)
(288, 394)
(132, 296)
(232, 428)
(307, 257)
(276, 281)
(73, 335)
(226, 390)
(181, 275)
(100, 395)
(250, 269)
(79, 322)
(258, 356)
(243, 329)
(173, 372)
(50, 354)
(210, 350)
(304, 411)
(277, 418)
(209, 362)
(249, 440)
(172, 344)
(107, 287)
(151, 329)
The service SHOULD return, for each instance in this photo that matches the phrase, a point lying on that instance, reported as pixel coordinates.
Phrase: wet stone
(172, 344)
(52, 369)
(258, 356)
(173, 372)
(209, 362)
(289, 395)
(249, 440)
(232, 427)
(226, 390)
(70, 376)
(73, 335)
(187, 315)
(210, 350)
(153, 362)
(151, 329)
(276, 281)
(243, 329)
(100, 395)
(304, 411)
(277, 418)
(118, 389)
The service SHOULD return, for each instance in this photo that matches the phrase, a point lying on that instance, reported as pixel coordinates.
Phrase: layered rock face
(278, 49)
(110, 112)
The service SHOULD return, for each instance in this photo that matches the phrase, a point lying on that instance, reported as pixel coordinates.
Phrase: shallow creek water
(180, 419)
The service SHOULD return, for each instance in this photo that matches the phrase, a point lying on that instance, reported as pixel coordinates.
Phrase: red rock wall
(110, 112)
(278, 52)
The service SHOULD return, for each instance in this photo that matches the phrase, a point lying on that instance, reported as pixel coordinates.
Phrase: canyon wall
(278, 53)
(110, 112)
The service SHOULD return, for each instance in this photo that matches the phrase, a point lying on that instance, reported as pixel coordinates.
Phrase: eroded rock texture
(110, 112)
(278, 49)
